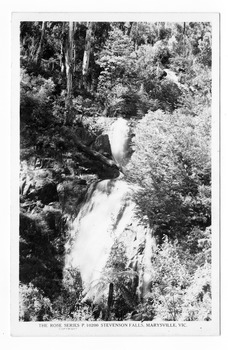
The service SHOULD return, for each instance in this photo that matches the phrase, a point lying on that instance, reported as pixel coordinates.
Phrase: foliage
(68, 305)
(41, 251)
(36, 99)
(117, 273)
(158, 75)
(197, 300)
(169, 280)
(179, 291)
(122, 277)
(172, 165)
(33, 305)
(117, 63)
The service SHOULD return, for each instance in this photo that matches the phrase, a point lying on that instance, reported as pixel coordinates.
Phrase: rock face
(58, 189)
(71, 194)
(37, 185)
(47, 192)
(102, 145)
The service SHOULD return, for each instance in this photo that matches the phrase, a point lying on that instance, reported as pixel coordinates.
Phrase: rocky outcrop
(96, 162)
(37, 188)
(71, 194)
(102, 145)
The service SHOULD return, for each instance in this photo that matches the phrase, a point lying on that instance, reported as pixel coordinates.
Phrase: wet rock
(71, 194)
(38, 185)
(46, 193)
(26, 188)
(102, 145)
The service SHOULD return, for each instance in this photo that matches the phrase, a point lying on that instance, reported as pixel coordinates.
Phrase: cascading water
(119, 140)
(107, 216)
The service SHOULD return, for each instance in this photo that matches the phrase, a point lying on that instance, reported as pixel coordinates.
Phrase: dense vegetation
(157, 75)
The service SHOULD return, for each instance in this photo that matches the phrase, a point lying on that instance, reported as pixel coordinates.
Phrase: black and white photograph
(116, 227)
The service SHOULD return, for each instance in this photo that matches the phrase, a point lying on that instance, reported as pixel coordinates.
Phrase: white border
(117, 16)
(103, 343)
(100, 5)
(82, 329)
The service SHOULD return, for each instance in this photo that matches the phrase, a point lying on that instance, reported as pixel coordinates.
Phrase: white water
(107, 215)
(104, 216)
(119, 140)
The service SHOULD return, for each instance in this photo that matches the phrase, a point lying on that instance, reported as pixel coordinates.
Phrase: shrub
(33, 305)
(180, 290)
(197, 300)
(170, 278)
(171, 163)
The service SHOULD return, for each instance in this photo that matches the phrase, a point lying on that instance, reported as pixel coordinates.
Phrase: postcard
(115, 179)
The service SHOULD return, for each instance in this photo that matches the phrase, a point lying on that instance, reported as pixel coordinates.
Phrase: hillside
(115, 180)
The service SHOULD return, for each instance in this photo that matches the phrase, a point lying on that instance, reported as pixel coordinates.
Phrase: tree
(174, 153)
(115, 285)
(87, 52)
(69, 72)
(72, 73)
(170, 279)
(40, 48)
(33, 305)
(118, 76)
(181, 289)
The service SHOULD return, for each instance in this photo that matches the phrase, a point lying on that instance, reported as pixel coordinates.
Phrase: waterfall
(119, 140)
(105, 214)
(108, 215)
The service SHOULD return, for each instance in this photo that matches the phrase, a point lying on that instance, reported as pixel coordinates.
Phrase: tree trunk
(40, 47)
(158, 29)
(69, 73)
(110, 301)
(137, 33)
(63, 50)
(87, 52)
(33, 49)
(74, 48)
(127, 28)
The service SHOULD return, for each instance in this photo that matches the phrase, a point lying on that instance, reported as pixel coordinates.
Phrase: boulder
(39, 185)
(47, 193)
(71, 195)
(102, 145)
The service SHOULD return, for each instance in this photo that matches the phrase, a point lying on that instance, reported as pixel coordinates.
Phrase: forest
(115, 171)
